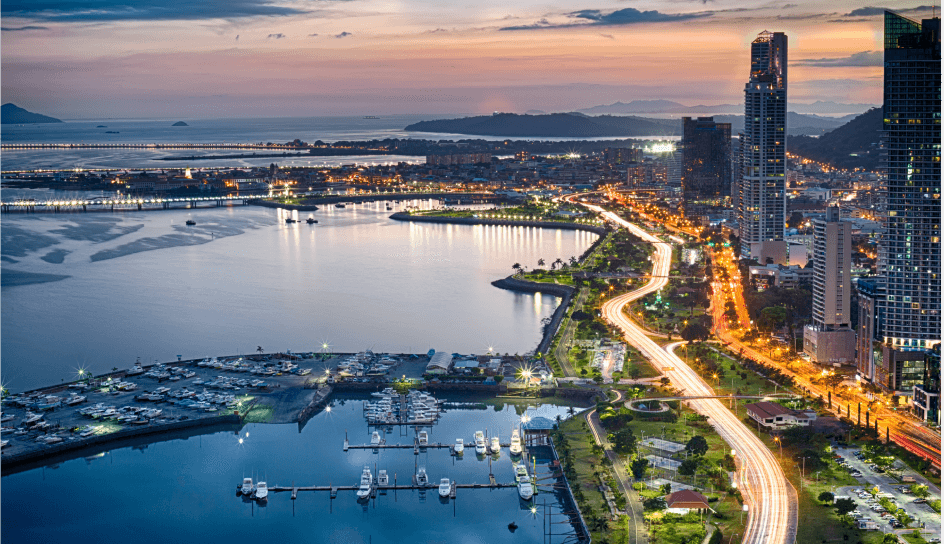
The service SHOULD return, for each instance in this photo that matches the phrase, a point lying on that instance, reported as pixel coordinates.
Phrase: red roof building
(687, 499)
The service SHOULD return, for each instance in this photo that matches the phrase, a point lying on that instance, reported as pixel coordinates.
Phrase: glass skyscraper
(910, 251)
(762, 195)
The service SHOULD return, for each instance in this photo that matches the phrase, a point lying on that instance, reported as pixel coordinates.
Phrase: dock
(416, 447)
(334, 489)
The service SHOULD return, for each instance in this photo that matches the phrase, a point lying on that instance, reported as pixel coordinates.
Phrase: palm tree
(573, 261)
(540, 262)
(559, 262)
(516, 267)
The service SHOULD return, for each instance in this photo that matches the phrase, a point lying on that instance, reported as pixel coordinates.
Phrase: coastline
(402, 216)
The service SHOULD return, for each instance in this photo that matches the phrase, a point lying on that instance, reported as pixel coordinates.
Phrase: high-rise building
(870, 324)
(706, 159)
(762, 195)
(829, 339)
(927, 394)
(910, 249)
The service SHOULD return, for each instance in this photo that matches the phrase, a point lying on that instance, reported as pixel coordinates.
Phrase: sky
(98, 59)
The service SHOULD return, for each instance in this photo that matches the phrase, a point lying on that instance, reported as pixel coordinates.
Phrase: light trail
(772, 515)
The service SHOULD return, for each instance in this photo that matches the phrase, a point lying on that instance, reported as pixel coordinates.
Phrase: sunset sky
(242, 58)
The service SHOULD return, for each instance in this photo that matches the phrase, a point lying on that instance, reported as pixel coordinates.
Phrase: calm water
(143, 284)
(184, 490)
(276, 130)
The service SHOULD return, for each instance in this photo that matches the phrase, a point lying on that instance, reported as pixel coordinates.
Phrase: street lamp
(778, 441)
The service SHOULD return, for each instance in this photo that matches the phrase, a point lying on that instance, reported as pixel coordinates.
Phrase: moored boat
(445, 487)
(480, 447)
(459, 447)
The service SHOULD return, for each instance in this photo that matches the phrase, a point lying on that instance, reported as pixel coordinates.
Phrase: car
(919, 501)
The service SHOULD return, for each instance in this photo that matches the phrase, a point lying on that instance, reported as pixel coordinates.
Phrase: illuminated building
(829, 339)
(910, 251)
(762, 192)
(706, 159)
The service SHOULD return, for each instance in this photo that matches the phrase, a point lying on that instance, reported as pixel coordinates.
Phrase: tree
(890, 538)
(695, 331)
(624, 441)
(540, 262)
(697, 445)
(516, 267)
(688, 467)
(832, 380)
(665, 381)
(635, 372)
(920, 491)
(826, 497)
(844, 506)
(259, 349)
(667, 488)
(639, 467)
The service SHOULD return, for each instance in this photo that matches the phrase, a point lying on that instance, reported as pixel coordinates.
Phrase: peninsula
(11, 114)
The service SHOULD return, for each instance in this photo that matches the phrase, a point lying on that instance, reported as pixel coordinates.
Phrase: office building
(869, 295)
(927, 395)
(829, 339)
(762, 191)
(706, 160)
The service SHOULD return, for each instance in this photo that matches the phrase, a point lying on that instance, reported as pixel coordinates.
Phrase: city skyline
(112, 59)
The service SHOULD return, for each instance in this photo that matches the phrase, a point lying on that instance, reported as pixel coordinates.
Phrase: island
(11, 114)
(180, 124)
(573, 125)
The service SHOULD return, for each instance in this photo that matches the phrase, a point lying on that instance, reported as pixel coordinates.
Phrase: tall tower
(910, 251)
(706, 161)
(762, 198)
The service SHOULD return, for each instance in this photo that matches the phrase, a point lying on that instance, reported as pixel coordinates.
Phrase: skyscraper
(762, 198)
(910, 250)
(830, 339)
(706, 159)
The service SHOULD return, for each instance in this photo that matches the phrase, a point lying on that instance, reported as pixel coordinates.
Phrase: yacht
(7, 417)
(75, 399)
(311, 220)
(445, 487)
(421, 477)
(375, 439)
(460, 447)
(262, 492)
(4, 443)
(31, 418)
(515, 443)
(247, 488)
(363, 492)
(382, 478)
(191, 222)
(424, 438)
(480, 447)
(496, 445)
(525, 490)
(136, 369)
(521, 473)
(339, 205)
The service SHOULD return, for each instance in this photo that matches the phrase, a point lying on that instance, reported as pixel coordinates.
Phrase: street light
(778, 441)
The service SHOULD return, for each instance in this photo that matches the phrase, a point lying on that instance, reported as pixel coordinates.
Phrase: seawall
(311, 204)
(566, 292)
(402, 216)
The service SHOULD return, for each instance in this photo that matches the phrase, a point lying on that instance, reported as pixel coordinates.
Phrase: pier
(101, 204)
(334, 489)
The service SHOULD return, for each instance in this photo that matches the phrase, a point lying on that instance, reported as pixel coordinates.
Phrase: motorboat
(290, 220)
(382, 478)
(135, 370)
(460, 447)
(424, 438)
(75, 399)
(7, 417)
(247, 488)
(375, 439)
(480, 447)
(445, 487)
(339, 205)
(262, 492)
(367, 480)
(525, 490)
(496, 445)
(521, 473)
(191, 222)
(515, 443)
(311, 221)
(32, 418)
(421, 477)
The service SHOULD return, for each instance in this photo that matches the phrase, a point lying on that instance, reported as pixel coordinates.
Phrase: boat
(75, 399)
(371, 117)
(31, 418)
(363, 492)
(515, 443)
(262, 492)
(382, 478)
(496, 445)
(421, 477)
(445, 487)
(4, 443)
(480, 447)
(290, 220)
(521, 473)
(7, 417)
(247, 488)
(136, 369)
(424, 438)
(525, 490)
(339, 205)
(375, 439)
(460, 447)
(311, 220)
(191, 222)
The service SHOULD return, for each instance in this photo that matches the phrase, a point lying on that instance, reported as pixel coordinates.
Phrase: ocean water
(184, 490)
(99, 290)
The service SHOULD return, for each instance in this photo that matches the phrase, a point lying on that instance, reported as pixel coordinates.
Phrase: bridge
(105, 204)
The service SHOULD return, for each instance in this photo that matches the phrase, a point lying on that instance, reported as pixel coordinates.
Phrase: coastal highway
(772, 514)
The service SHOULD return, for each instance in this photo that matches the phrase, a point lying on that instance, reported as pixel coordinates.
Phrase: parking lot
(867, 507)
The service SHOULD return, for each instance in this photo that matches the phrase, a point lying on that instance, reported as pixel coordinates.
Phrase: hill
(13, 114)
(579, 125)
(852, 145)
(551, 125)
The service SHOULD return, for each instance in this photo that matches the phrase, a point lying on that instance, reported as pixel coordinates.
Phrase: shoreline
(403, 216)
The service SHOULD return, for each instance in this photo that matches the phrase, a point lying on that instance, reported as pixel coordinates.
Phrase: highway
(772, 515)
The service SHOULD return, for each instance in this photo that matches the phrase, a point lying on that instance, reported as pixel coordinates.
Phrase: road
(901, 428)
(638, 532)
(772, 504)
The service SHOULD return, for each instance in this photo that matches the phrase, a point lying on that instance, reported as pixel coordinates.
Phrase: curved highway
(772, 504)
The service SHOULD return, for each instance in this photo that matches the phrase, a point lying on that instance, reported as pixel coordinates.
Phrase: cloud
(237, 37)
(609, 36)
(865, 58)
(142, 10)
(625, 16)
(312, 35)
(343, 35)
(19, 28)
(871, 11)
(278, 36)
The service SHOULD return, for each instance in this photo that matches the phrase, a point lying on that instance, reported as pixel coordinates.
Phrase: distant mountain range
(12, 114)
(668, 106)
(853, 145)
(580, 125)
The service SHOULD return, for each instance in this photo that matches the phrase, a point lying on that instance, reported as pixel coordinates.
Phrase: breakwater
(565, 225)
(566, 292)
